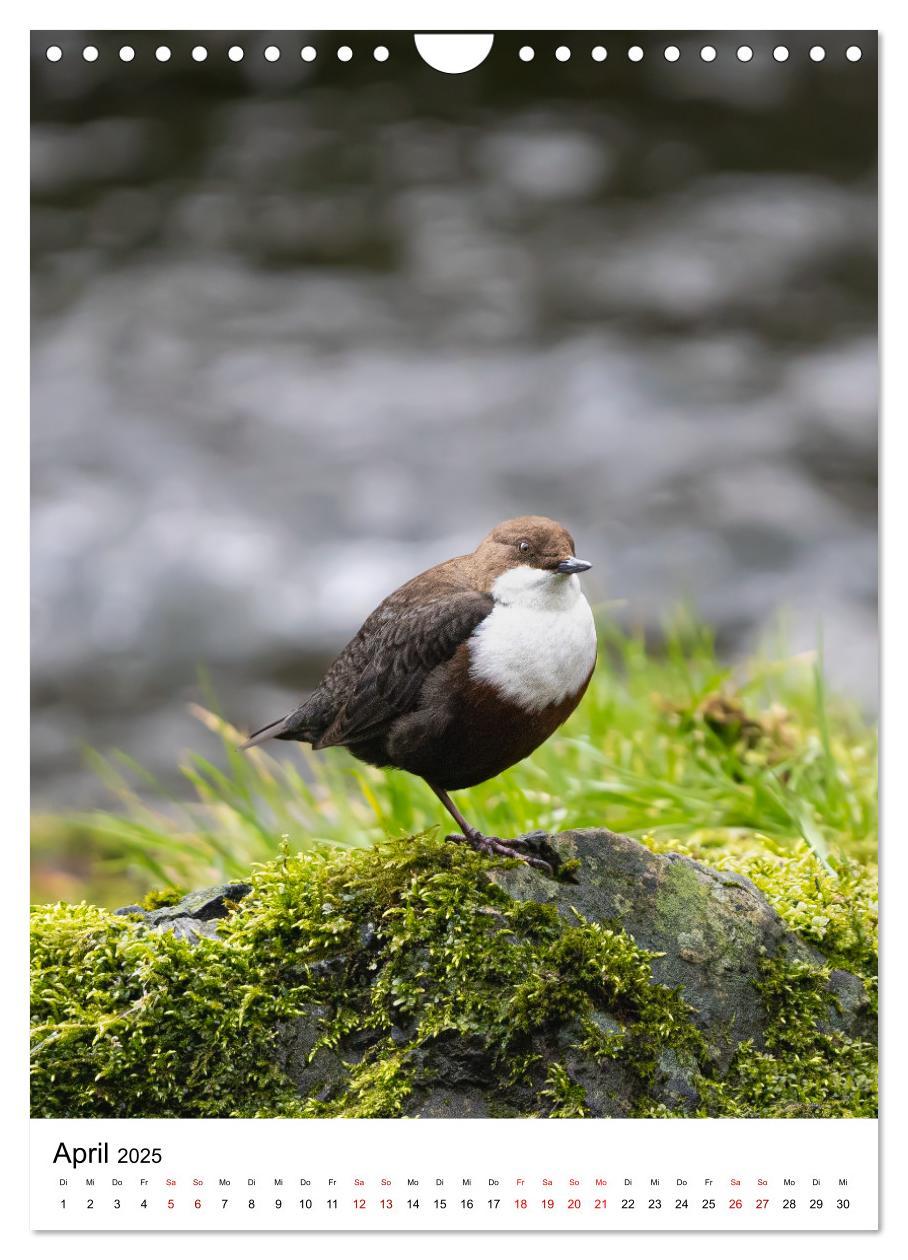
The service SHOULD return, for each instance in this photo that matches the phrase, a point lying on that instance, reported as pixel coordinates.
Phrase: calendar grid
(507, 1175)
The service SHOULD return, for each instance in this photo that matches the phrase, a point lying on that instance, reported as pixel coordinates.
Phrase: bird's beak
(573, 565)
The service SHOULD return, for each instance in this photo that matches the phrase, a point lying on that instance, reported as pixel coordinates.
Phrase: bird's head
(530, 554)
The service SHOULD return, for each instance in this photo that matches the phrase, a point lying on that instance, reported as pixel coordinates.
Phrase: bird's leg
(470, 833)
(486, 844)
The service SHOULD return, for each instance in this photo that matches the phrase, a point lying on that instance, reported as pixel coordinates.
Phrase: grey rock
(315, 1075)
(194, 915)
(849, 1010)
(188, 928)
(469, 1102)
(712, 928)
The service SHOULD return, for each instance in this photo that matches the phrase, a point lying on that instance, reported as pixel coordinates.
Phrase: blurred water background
(302, 330)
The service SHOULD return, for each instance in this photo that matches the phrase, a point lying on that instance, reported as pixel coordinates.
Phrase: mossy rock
(711, 932)
(421, 979)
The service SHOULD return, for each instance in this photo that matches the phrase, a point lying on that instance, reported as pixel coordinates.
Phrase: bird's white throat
(538, 644)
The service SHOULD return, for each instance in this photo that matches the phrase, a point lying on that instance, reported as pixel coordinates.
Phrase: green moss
(568, 1100)
(836, 910)
(803, 1071)
(388, 954)
(159, 897)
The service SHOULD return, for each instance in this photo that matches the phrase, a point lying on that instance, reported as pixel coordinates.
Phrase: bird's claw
(529, 840)
(506, 848)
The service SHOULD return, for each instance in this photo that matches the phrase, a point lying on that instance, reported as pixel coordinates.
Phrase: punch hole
(344, 53)
(54, 53)
(599, 53)
(199, 53)
(272, 53)
(745, 53)
(853, 53)
(162, 53)
(526, 53)
(453, 54)
(672, 53)
(635, 53)
(708, 53)
(89, 53)
(780, 53)
(817, 53)
(380, 53)
(235, 53)
(563, 53)
(308, 53)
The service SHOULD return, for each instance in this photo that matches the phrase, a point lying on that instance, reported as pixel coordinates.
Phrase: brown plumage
(462, 671)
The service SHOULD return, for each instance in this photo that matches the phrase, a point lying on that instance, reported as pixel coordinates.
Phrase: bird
(463, 671)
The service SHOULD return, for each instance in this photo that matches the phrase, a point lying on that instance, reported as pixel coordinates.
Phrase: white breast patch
(538, 644)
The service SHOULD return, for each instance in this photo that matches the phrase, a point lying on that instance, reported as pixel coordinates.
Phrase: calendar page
(454, 554)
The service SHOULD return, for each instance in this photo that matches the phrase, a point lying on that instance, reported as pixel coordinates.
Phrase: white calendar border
(569, 14)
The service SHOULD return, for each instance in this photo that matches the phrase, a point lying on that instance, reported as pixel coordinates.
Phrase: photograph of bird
(463, 671)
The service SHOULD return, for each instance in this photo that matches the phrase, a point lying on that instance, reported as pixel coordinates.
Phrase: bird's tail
(274, 730)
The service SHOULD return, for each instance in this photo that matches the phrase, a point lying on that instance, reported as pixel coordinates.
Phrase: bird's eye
(523, 545)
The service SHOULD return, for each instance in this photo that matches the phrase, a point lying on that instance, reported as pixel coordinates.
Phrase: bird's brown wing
(397, 649)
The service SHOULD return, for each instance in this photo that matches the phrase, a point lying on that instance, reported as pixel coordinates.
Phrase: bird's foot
(523, 848)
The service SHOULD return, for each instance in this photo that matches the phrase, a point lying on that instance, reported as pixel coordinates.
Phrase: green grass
(670, 746)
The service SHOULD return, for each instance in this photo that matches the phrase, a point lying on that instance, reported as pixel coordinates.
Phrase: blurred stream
(300, 331)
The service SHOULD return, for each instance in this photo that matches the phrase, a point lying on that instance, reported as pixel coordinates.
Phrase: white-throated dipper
(462, 671)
